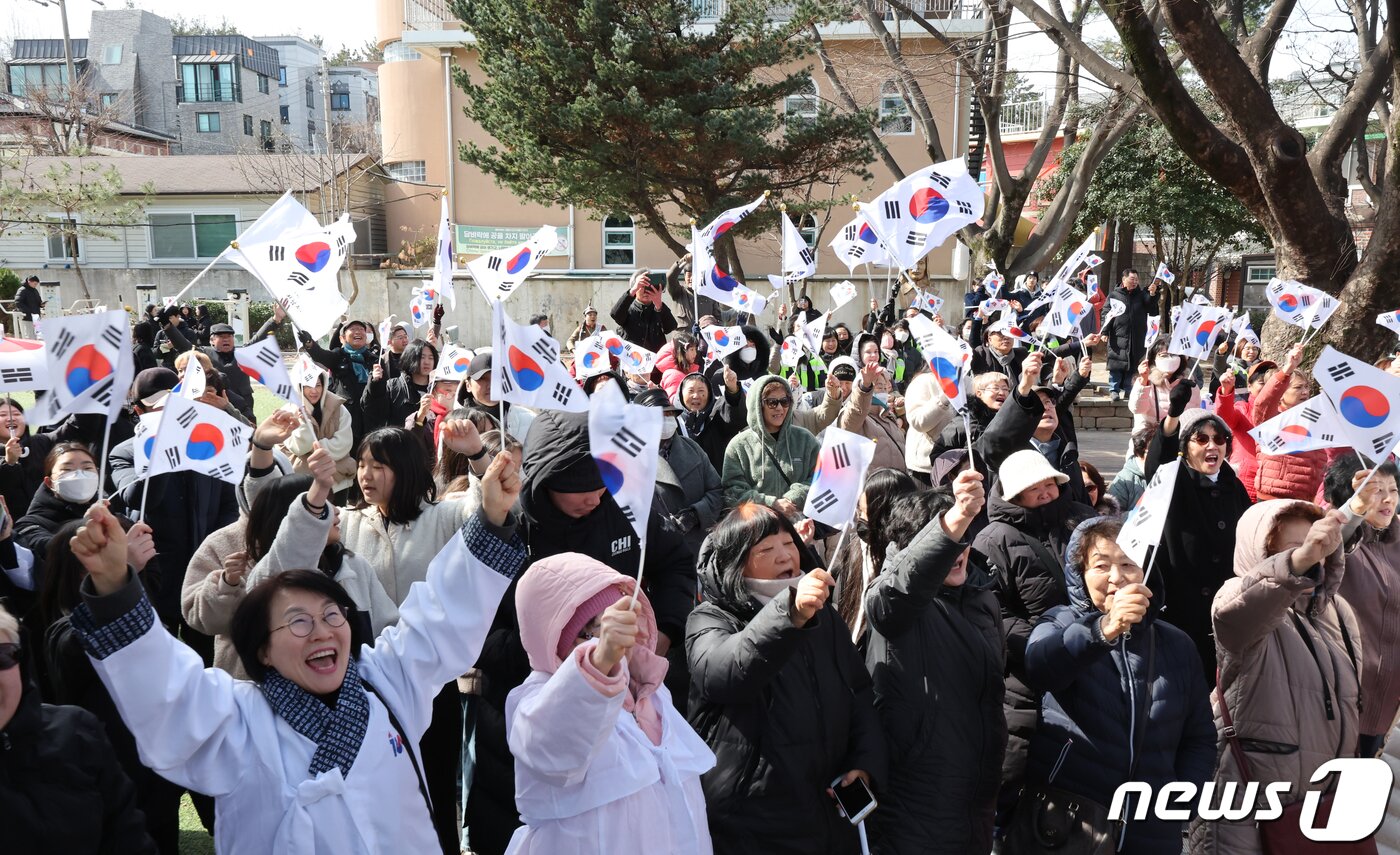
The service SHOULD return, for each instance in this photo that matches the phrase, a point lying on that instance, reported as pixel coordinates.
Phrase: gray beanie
(1195, 417)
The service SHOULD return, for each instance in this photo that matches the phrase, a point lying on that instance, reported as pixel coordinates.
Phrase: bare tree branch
(1258, 48)
(843, 93)
(1351, 117)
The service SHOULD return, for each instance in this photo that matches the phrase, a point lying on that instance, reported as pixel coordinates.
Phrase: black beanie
(581, 476)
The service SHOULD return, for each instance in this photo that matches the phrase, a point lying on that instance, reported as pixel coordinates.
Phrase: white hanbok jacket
(204, 730)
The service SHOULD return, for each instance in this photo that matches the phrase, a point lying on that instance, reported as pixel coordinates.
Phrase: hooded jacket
(763, 352)
(763, 468)
(935, 654)
(685, 481)
(1292, 711)
(61, 788)
(716, 424)
(1132, 709)
(589, 778)
(1372, 587)
(786, 710)
(861, 415)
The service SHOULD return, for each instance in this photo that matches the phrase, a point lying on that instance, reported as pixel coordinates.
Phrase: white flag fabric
(636, 359)
(1115, 308)
(418, 312)
(1092, 260)
(146, 426)
(498, 273)
(707, 277)
(1197, 329)
(1091, 282)
(193, 382)
(746, 300)
(1366, 398)
(1007, 326)
(1154, 329)
(857, 244)
(525, 367)
(812, 333)
(1067, 314)
(1142, 528)
(791, 352)
(301, 268)
(996, 304)
(591, 357)
(1390, 320)
(386, 329)
(1322, 308)
(946, 358)
(837, 480)
(722, 341)
(445, 260)
(306, 372)
(286, 216)
(1298, 304)
(1073, 263)
(842, 293)
(919, 213)
(429, 297)
(799, 259)
(993, 283)
(625, 440)
(1164, 273)
(1310, 425)
(723, 223)
(23, 366)
(196, 437)
(90, 366)
(927, 301)
(1200, 299)
(455, 361)
(262, 361)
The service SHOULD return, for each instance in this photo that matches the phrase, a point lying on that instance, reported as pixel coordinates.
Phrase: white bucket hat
(1025, 469)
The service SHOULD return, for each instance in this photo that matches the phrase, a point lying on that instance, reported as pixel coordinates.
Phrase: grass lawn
(194, 840)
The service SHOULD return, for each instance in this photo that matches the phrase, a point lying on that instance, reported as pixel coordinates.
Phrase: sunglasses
(777, 403)
(9, 655)
(1209, 439)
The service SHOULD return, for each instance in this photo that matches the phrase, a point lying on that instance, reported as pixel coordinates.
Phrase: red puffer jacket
(1284, 476)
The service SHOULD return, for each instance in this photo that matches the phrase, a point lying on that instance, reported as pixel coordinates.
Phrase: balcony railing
(428, 15)
(230, 91)
(1022, 117)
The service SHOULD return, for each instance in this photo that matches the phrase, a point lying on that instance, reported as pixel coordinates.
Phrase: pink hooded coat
(602, 763)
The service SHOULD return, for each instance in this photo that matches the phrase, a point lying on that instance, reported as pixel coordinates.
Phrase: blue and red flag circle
(613, 344)
(519, 261)
(947, 374)
(867, 234)
(1364, 407)
(252, 372)
(613, 479)
(927, 205)
(723, 281)
(86, 367)
(205, 442)
(314, 256)
(1203, 332)
(528, 374)
(1287, 303)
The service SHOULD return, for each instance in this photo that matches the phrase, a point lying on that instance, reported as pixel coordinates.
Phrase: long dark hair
(63, 572)
(882, 488)
(269, 511)
(730, 542)
(403, 453)
(412, 355)
(252, 620)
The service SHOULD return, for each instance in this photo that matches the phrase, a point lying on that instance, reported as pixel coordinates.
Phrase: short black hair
(1142, 438)
(413, 353)
(1125, 273)
(534, 319)
(252, 620)
(912, 511)
(1336, 484)
(406, 455)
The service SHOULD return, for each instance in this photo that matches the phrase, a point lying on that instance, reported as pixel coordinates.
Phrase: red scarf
(439, 410)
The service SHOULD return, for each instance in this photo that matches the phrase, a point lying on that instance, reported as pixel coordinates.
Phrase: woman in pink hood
(603, 762)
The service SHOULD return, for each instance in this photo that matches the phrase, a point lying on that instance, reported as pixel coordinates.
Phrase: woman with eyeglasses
(1198, 537)
(61, 788)
(771, 461)
(320, 752)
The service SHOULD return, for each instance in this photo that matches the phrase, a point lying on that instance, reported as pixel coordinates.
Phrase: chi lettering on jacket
(621, 545)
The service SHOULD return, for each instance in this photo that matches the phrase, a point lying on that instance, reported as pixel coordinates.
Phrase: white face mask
(76, 487)
(1167, 364)
(748, 354)
(901, 336)
(668, 428)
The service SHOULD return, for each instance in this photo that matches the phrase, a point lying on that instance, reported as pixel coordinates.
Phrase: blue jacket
(1102, 724)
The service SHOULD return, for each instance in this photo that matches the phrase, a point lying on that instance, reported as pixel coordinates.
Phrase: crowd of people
(415, 622)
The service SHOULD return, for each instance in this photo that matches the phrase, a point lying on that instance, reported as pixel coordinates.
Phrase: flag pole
(102, 461)
(207, 268)
(641, 568)
(967, 427)
(694, 282)
(1152, 559)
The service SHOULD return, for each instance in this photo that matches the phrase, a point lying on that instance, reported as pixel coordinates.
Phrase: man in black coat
(1127, 333)
(236, 382)
(30, 305)
(640, 314)
(566, 509)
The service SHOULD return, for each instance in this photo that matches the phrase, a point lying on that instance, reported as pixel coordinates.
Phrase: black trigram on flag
(282, 390)
(63, 343)
(1381, 444)
(113, 336)
(102, 394)
(298, 277)
(850, 232)
(1310, 414)
(1194, 316)
(1140, 515)
(494, 263)
(1339, 372)
(545, 350)
(563, 394)
(964, 208)
(506, 285)
(893, 210)
(915, 239)
(840, 457)
(235, 438)
(340, 245)
(824, 500)
(267, 358)
(276, 253)
(941, 180)
(16, 375)
(223, 471)
(1276, 443)
(806, 256)
(187, 418)
(173, 457)
(628, 442)
(856, 251)
(630, 514)
(1057, 318)
(506, 385)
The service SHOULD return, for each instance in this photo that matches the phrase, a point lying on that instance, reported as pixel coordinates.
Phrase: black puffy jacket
(61, 788)
(47, 514)
(389, 403)
(1127, 333)
(786, 711)
(935, 653)
(20, 481)
(643, 323)
(1135, 709)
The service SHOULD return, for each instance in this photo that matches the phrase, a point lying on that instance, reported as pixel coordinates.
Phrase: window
(281, 75)
(408, 170)
(340, 100)
(26, 77)
(207, 123)
(182, 236)
(60, 239)
(285, 113)
(619, 242)
(400, 52)
(895, 119)
(800, 107)
(112, 55)
(262, 84)
(1260, 273)
(247, 125)
(807, 225)
(209, 81)
(310, 94)
(310, 132)
(108, 99)
(1256, 279)
(265, 134)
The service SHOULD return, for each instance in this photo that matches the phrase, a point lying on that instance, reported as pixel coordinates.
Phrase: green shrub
(259, 311)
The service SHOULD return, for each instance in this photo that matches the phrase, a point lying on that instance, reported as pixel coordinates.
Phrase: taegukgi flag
(945, 356)
(857, 244)
(525, 367)
(23, 366)
(919, 213)
(625, 440)
(1366, 398)
(445, 262)
(498, 273)
(1390, 320)
(591, 357)
(89, 364)
(799, 259)
(300, 268)
(842, 293)
(1164, 273)
(636, 359)
(1142, 528)
(722, 341)
(720, 225)
(196, 437)
(1310, 425)
(1071, 266)
(262, 361)
(193, 382)
(837, 480)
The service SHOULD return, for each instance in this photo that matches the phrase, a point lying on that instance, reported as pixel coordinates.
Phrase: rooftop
(206, 175)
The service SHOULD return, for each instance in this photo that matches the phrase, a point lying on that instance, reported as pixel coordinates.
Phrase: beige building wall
(414, 105)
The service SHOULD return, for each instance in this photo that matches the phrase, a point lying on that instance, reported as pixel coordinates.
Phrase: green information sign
(479, 240)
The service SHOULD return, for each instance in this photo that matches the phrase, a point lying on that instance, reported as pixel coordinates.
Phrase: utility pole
(330, 152)
(67, 47)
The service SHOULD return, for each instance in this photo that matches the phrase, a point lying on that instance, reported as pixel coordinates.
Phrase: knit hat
(1193, 419)
(581, 476)
(846, 367)
(1025, 469)
(587, 611)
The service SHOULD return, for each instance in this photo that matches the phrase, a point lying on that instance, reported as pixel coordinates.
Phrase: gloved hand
(1180, 398)
(305, 338)
(438, 313)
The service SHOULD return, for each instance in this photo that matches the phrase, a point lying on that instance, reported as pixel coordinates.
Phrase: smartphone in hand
(855, 799)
